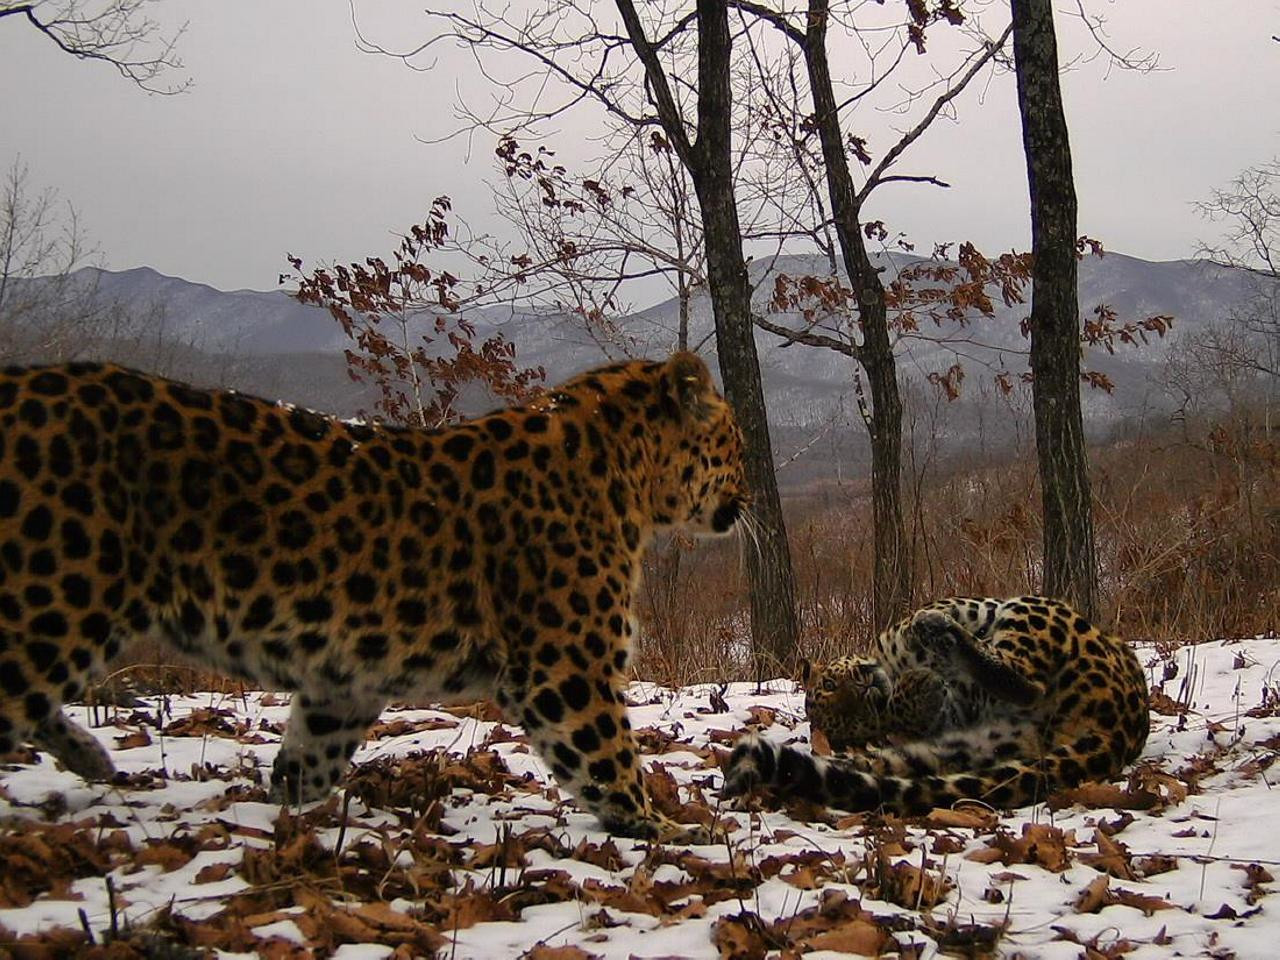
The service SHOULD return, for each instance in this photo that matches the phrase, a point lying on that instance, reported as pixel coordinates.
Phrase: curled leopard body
(352, 563)
(1002, 701)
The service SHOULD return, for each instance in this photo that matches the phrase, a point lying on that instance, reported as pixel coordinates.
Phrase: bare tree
(870, 344)
(1249, 209)
(708, 156)
(48, 306)
(582, 240)
(117, 32)
(1070, 561)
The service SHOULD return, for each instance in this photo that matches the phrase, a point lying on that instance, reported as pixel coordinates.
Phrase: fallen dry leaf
(1093, 897)
(139, 738)
(1112, 857)
(1040, 843)
(213, 872)
(968, 817)
(543, 952)
(860, 937)
(740, 938)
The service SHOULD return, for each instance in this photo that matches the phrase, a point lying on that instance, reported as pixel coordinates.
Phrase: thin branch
(110, 36)
(1133, 60)
(477, 34)
(915, 132)
(658, 86)
(915, 179)
(771, 16)
(808, 338)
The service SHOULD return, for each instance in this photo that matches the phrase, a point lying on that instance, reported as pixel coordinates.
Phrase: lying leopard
(352, 563)
(1002, 701)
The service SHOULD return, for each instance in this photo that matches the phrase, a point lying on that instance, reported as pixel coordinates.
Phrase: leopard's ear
(690, 384)
(807, 670)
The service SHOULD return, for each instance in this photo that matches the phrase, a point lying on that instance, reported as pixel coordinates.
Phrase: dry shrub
(692, 611)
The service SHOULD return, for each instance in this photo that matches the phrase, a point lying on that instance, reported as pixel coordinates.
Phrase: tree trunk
(1070, 565)
(709, 161)
(891, 583)
(891, 576)
(773, 614)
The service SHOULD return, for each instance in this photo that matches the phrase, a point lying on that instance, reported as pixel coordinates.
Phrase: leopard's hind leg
(78, 749)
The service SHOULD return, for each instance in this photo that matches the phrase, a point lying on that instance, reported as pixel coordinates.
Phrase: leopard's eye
(828, 683)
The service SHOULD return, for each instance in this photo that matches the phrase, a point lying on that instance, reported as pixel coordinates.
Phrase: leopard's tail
(846, 784)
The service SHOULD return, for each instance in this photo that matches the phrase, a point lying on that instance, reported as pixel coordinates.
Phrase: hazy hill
(268, 343)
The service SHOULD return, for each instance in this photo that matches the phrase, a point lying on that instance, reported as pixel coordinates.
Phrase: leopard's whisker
(751, 524)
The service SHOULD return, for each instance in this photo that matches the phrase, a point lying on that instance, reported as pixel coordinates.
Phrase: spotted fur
(352, 563)
(997, 700)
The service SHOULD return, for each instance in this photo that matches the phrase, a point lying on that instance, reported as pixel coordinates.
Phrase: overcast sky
(293, 141)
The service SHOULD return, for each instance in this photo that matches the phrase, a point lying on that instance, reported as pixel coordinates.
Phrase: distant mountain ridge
(268, 343)
(242, 321)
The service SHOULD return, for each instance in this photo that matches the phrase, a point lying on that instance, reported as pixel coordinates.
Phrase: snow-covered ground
(474, 852)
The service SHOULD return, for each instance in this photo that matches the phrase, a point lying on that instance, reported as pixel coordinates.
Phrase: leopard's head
(847, 699)
(701, 484)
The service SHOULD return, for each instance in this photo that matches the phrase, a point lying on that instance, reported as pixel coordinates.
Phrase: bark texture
(1070, 565)
(891, 578)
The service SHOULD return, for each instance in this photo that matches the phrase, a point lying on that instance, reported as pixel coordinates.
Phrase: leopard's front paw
(934, 629)
(658, 829)
(290, 786)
